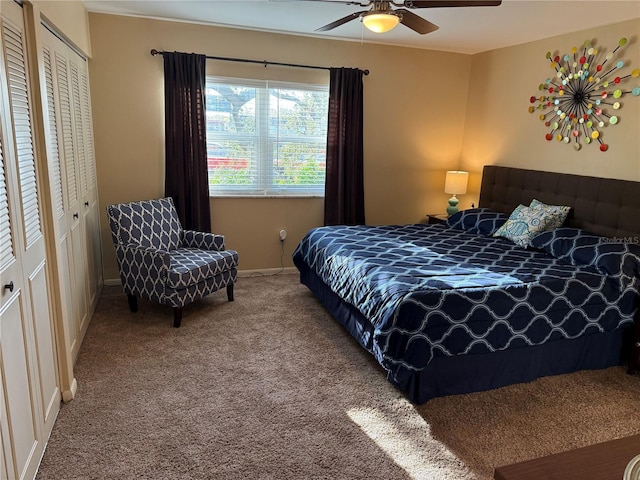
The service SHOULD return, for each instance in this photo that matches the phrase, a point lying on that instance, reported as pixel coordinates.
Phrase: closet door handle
(75, 215)
(86, 204)
(9, 286)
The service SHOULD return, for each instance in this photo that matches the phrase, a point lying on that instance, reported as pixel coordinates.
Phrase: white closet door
(71, 232)
(58, 148)
(33, 251)
(90, 201)
(19, 420)
(85, 272)
(27, 349)
(8, 269)
(69, 107)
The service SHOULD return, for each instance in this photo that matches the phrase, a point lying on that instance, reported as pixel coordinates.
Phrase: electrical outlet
(283, 235)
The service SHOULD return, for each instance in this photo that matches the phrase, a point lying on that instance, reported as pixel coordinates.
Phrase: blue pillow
(480, 221)
(564, 243)
(579, 247)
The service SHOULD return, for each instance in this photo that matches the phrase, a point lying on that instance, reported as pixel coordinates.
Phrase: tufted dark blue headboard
(604, 206)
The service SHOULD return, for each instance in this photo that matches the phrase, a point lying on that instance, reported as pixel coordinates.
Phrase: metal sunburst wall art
(585, 84)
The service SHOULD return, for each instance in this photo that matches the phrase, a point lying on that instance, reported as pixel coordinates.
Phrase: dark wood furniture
(603, 461)
(435, 218)
(634, 359)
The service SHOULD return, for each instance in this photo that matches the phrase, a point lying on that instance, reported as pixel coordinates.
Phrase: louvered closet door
(18, 421)
(57, 191)
(77, 250)
(69, 110)
(62, 165)
(28, 360)
(93, 241)
(86, 168)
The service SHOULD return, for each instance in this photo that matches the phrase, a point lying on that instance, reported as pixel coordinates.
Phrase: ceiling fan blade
(450, 3)
(363, 3)
(337, 23)
(416, 22)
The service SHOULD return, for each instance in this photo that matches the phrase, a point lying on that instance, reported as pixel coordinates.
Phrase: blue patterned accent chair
(162, 262)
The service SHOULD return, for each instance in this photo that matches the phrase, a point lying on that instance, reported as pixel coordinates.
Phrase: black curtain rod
(155, 52)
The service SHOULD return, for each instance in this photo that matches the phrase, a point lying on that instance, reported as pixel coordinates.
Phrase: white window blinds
(265, 138)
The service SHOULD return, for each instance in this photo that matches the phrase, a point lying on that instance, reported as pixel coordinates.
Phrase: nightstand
(435, 218)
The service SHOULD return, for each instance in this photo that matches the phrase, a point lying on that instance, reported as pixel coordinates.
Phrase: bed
(450, 309)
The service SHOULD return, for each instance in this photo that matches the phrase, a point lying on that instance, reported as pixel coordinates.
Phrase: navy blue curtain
(344, 184)
(186, 176)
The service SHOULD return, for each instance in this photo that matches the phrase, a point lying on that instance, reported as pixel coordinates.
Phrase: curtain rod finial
(366, 72)
(154, 52)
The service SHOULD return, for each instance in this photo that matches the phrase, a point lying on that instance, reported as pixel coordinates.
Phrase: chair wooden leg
(177, 316)
(133, 302)
(230, 292)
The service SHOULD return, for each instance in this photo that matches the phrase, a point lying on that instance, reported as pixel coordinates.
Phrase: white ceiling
(464, 30)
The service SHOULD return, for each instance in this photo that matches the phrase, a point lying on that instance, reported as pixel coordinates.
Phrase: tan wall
(70, 19)
(418, 122)
(415, 104)
(500, 130)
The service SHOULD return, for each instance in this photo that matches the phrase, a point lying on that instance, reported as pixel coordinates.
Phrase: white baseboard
(70, 394)
(115, 282)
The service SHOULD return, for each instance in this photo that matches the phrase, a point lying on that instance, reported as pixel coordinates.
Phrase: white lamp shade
(456, 182)
(380, 22)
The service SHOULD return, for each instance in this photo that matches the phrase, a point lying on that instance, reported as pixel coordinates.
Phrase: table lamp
(455, 184)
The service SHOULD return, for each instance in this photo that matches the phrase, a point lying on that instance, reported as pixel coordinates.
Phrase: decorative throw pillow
(517, 228)
(526, 222)
(557, 213)
(480, 221)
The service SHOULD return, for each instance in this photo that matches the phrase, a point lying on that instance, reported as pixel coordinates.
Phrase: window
(266, 138)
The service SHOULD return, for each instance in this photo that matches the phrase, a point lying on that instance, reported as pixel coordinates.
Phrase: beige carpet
(271, 387)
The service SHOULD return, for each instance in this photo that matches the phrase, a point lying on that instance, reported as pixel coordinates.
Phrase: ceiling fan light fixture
(380, 22)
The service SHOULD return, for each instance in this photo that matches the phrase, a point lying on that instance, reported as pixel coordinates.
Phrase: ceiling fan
(382, 16)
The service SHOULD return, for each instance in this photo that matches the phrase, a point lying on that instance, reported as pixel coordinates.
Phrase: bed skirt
(474, 373)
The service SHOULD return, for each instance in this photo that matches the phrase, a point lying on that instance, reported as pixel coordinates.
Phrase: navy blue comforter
(432, 290)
